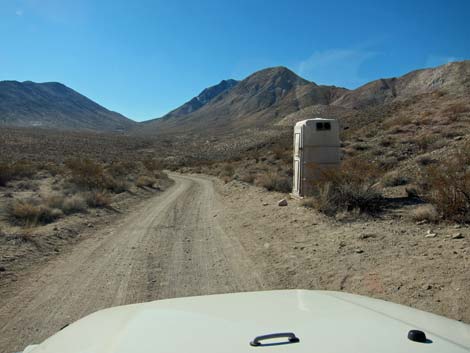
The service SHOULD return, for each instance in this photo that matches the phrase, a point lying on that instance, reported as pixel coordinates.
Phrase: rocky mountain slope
(453, 78)
(54, 105)
(399, 123)
(260, 100)
(202, 99)
(278, 97)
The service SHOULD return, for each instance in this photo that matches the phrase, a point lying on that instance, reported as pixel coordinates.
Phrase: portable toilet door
(316, 147)
(297, 182)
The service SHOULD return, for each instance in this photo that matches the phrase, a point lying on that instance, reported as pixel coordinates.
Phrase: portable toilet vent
(316, 147)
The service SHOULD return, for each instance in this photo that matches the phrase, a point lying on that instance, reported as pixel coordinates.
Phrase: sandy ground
(169, 246)
(387, 258)
(202, 237)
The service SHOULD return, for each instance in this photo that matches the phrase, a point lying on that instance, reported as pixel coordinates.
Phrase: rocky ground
(205, 236)
(426, 266)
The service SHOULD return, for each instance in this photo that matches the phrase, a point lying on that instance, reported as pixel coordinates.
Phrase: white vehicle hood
(326, 322)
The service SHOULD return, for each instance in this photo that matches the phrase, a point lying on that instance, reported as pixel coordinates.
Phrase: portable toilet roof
(318, 132)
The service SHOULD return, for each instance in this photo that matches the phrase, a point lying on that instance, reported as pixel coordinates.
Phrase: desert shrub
(425, 142)
(16, 170)
(447, 186)
(388, 162)
(227, 171)
(426, 113)
(226, 179)
(55, 200)
(456, 108)
(438, 93)
(387, 142)
(53, 168)
(308, 202)
(247, 178)
(160, 174)
(425, 213)
(32, 212)
(23, 169)
(351, 187)
(87, 173)
(361, 147)
(425, 160)
(5, 173)
(97, 199)
(74, 204)
(91, 175)
(145, 181)
(412, 191)
(23, 185)
(152, 165)
(394, 179)
(274, 182)
(116, 185)
(122, 169)
(451, 133)
(397, 122)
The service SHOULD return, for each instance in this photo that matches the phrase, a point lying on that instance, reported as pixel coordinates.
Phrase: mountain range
(54, 105)
(270, 97)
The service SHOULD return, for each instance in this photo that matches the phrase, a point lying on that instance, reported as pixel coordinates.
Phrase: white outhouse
(316, 146)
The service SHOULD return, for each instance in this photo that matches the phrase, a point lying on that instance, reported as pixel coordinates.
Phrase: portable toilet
(316, 147)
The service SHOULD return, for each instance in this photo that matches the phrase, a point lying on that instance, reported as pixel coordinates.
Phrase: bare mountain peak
(54, 105)
(278, 75)
(261, 99)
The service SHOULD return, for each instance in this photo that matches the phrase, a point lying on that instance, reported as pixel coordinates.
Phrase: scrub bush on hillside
(351, 187)
(446, 185)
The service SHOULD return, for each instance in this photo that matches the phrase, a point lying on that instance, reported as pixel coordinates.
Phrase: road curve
(169, 246)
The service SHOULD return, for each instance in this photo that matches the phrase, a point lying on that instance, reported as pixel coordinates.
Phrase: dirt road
(170, 246)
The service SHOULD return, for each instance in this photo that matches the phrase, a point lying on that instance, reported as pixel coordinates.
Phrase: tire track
(169, 246)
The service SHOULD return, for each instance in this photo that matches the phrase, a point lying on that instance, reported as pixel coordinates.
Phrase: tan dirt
(202, 236)
(170, 246)
(388, 257)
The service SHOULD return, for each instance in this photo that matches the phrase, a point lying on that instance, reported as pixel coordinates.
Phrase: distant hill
(453, 78)
(261, 99)
(202, 99)
(54, 105)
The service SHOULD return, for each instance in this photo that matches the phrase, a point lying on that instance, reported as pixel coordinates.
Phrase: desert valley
(96, 205)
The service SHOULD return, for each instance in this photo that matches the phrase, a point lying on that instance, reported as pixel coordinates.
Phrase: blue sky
(144, 58)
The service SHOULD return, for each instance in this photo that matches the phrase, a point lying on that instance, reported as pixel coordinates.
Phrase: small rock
(421, 222)
(359, 251)
(457, 236)
(430, 234)
(55, 228)
(282, 202)
(457, 226)
(90, 225)
(265, 204)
